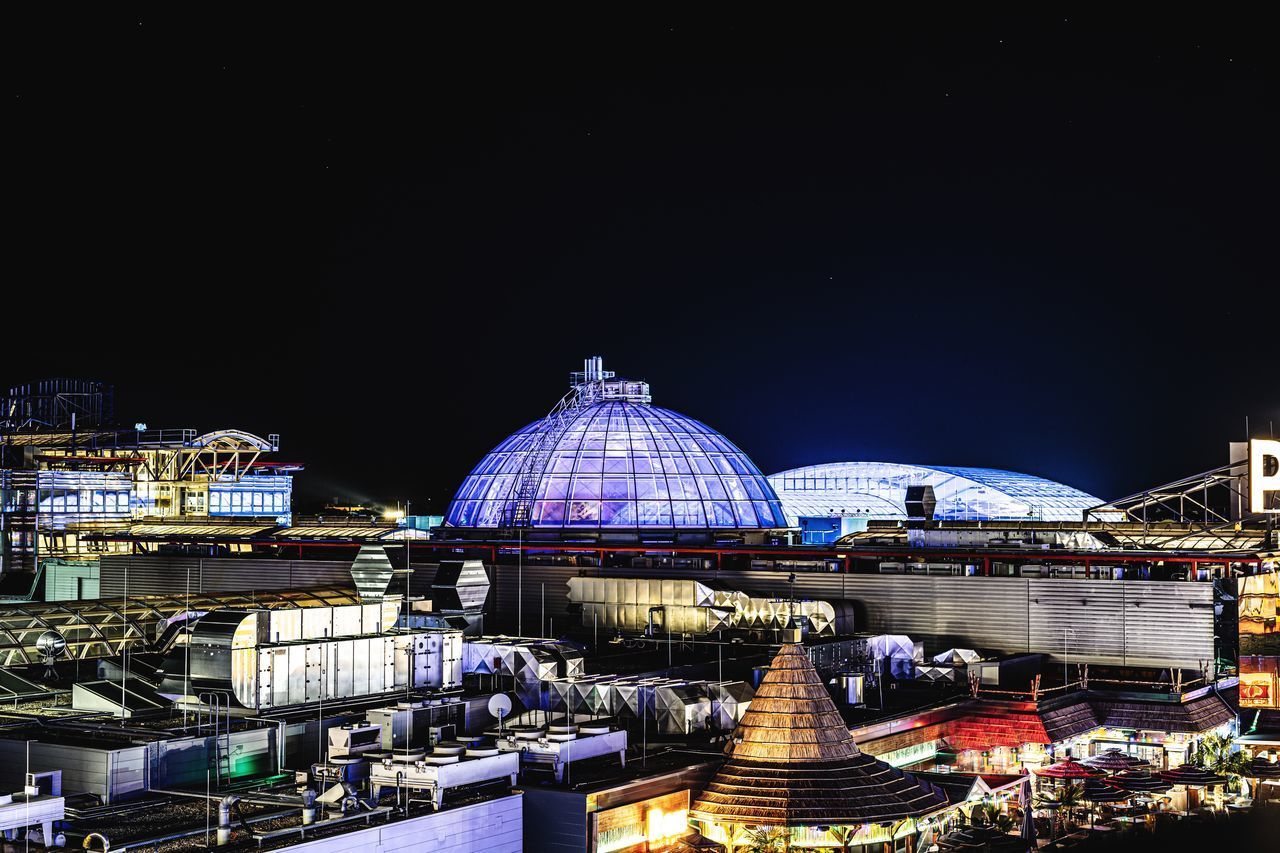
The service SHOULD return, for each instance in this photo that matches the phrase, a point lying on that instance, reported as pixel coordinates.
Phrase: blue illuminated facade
(878, 490)
(612, 460)
(251, 496)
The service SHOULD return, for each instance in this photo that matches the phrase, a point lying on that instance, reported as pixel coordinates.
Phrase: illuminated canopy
(608, 458)
(878, 490)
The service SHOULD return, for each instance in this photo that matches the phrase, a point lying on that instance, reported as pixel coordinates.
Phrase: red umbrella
(1069, 769)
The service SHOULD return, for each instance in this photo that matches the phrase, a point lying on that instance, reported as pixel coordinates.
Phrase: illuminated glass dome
(606, 458)
(879, 489)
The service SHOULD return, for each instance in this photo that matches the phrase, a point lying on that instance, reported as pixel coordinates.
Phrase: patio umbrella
(1260, 768)
(1028, 833)
(980, 838)
(1140, 782)
(1192, 776)
(1069, 769)
(1113, 761)
(1097, 791)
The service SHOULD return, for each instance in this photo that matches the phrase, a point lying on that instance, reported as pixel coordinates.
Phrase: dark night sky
(1044, 243)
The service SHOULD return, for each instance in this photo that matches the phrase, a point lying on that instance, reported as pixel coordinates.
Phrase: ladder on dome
(519, 510)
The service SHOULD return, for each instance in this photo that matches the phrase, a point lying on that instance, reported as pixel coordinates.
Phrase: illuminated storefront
(1259, 616)
(648, 826)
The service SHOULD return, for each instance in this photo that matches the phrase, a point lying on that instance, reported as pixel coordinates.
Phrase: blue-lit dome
(608, 459)
(878, 490)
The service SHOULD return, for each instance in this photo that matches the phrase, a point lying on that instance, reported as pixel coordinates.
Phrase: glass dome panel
(878, 490)
(623, 464)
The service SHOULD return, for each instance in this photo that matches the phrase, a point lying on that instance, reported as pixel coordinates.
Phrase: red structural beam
(842, 555)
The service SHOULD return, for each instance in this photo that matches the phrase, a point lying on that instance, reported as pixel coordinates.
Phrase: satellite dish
(51, 646)
(500, 705)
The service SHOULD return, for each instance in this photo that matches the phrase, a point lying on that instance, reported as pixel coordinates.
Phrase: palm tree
(1066, 799)
(769, 839)
(982, 814)
(1217, 754)
(989, 814)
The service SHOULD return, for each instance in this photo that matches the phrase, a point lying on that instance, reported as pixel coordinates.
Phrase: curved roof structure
(792, 762)
(606, 458)
(878, 490)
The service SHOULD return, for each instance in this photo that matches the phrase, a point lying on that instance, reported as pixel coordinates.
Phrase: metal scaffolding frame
(1212, 505)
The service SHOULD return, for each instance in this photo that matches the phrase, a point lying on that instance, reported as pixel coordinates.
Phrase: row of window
(239, 502)
(102, 501)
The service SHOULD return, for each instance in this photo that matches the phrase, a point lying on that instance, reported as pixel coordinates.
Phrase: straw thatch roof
(1193, 716)
(1065, 718)
(792, 762)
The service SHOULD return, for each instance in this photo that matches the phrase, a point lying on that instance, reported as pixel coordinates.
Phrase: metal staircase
(591, 385)
(518, 511)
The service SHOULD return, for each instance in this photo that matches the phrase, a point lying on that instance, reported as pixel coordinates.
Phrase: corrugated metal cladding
(163, 574)
(493, 826)
(1138, 623)
(111, 774)
(555, 821)
(121, 774)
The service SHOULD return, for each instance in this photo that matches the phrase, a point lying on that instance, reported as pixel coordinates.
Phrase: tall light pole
(1066, 658)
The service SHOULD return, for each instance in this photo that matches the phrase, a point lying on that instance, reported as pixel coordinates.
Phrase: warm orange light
(664, 825)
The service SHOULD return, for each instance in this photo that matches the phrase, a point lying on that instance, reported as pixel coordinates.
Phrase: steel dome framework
(606, 458)
(878, 490)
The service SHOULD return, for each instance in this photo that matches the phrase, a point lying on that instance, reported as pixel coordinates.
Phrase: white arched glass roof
(878, 490)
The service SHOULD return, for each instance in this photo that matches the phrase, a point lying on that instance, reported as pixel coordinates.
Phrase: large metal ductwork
(528, 662)
(661, 606)
(921, 503)
(275, 659)
(675, 706)
(372, 572)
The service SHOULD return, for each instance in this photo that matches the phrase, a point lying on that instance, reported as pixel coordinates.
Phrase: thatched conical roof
(792, 762)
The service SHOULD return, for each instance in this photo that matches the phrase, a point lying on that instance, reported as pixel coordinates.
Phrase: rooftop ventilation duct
(371, 570)
(920, 504)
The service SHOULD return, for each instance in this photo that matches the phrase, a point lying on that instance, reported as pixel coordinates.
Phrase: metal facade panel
(1077, 620)
(555, 821)
(83, 770)
(1141, 623)
(164, 574)
(494, 826)
(1164, 621)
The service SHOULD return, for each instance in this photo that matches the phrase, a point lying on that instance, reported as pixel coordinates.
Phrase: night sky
(1044, 243)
